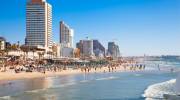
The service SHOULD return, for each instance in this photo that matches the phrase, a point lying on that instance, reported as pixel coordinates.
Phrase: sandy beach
(25, 75)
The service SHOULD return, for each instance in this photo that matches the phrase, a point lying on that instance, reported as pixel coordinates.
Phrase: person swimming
(159, 67)
(172, 70)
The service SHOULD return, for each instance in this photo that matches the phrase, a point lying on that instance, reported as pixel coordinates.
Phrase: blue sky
(139, 26)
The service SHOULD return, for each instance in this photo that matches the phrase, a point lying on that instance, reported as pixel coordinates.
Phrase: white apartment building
(2, 43)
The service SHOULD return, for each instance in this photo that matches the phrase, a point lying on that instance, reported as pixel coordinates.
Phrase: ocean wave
(156, 91)
(84, 81)
(137, 75)
(35, 91)
(106, 78)
(5, 98)
(65, 85)
(53, 87)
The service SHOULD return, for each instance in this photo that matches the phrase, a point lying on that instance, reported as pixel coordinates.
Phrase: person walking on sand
(112, 69)
(88, 69)
(109, 69)
(144, 67)
(85, 70)
(44, 71)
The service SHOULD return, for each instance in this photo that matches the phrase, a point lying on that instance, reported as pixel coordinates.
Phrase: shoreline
(9, 76)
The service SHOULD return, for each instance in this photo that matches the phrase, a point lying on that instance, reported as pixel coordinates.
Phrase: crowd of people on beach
(114, 67)
(83, 67)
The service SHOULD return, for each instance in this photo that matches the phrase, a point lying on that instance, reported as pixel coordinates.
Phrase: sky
(139, 27)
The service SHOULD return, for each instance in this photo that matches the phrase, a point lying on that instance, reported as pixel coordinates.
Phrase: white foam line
(35, 91)
(138, 74)
(58, 86)
(5, 97)
(107, 78)
(84, 81)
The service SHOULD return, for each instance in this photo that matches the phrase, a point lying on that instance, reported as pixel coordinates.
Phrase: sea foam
(5, 98)
(106, 78)
(156, 91)
(53, 87)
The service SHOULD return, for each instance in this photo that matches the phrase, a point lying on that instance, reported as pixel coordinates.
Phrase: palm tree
(33, 50)
(41, 55)
(49, 54)
(8, 48)
(14, 47)
(25, 49)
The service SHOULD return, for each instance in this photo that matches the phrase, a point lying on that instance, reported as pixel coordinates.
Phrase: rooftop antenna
(87, 37)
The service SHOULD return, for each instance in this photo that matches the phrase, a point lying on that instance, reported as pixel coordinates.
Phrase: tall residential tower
(38, 23)
(113, 50)
(66, 35)
(86, 48)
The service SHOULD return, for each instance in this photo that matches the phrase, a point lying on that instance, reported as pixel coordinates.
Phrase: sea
(159, 78)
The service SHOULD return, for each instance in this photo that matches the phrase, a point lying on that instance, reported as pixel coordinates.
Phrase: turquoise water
(111, 86)
(108, 86)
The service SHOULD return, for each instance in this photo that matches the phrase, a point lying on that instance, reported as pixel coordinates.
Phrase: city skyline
(140, 27)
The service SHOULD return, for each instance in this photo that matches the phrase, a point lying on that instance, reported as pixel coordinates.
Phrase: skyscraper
(98, 48)
(38, 23)
(86, 48)
(113, 50)
(66, 35)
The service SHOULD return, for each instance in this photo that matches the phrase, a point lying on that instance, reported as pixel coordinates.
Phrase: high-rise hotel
(66, 35)
(38, 23)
